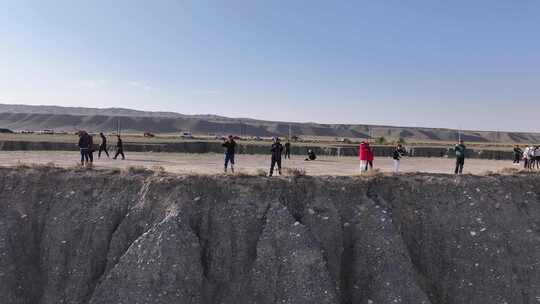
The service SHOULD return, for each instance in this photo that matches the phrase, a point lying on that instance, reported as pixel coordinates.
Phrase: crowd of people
(277, 151)
(530, 155)
(87, 147)
(367, 156)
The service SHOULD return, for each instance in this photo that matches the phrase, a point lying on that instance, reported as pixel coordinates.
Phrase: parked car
(46, 131)
(187, 135)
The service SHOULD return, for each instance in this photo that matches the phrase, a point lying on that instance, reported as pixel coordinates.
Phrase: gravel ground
(213, 163)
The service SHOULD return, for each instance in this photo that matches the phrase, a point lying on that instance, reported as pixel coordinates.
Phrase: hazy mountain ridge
(20, 117)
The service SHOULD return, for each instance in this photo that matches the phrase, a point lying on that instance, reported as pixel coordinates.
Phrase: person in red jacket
(370, 157)
(366, 156)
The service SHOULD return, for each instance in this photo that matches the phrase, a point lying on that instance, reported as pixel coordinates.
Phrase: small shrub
(381, 140)
(509, 170)
(241, 174)
(294, 172)
(115, 170)
(50, 165)
(373, 172)
(137, 170)
(260, 172)
(158, 169)
(21, 165)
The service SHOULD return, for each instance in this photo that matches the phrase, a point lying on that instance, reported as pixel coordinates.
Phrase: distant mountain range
(22, 117)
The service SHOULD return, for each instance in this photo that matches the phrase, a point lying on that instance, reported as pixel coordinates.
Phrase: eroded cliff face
(103, 237)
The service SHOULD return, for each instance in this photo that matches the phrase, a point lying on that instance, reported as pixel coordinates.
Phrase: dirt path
(213, 163)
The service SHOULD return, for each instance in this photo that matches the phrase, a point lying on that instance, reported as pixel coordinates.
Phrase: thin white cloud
(4, 99)
(207, 92)
(141, 85)
(89, 84)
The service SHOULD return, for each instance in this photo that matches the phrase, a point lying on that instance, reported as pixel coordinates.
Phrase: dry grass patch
(371, 173)
(294, 172)
(509, 170)
(47, 166)
(137, 170)
(260, 172)
(158, 170)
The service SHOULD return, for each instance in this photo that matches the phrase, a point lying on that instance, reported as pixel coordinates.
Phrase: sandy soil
(213, 163)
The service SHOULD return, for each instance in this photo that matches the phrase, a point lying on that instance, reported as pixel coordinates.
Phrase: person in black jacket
(277, 150)
(230, 149)
(103, 145)
(517, 154)
(398, 152)
(460, 157)
(119, 148)
(311, 155)
(84, 146)
(91, 148)
(288, 150)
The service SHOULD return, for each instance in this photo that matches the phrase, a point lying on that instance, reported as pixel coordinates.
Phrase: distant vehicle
(46, 131)
(148, 134)
(187, 135)
(2, 130)
(257, 138)
(27, 132)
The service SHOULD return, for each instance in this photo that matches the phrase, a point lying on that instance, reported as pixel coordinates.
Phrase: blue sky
(459, 64)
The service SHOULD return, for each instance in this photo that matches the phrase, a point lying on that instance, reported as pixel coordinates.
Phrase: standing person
(536, 157)
(287, 150)
(277, 150)
(119, 148)
(363, 155)
(230, 149)
(371, 157)
(91, 148)
(398, 152)
(84, 145)
(517, 154)
(530, 158)
(103, 145)
(526, 158)
(460, 157)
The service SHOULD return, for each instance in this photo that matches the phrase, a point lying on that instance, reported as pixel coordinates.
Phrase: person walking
(103, 145)
(84, 145)
(517, 154)
(119, 148)
(277, 150)
(230, 149)
(460, 157)
(398, 152)
(288, 150)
